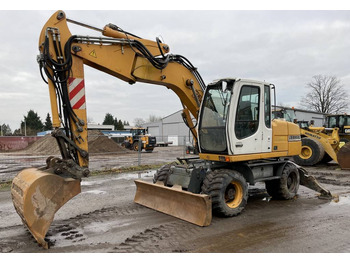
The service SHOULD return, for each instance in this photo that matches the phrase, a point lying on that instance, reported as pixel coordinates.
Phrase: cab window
(247, 116)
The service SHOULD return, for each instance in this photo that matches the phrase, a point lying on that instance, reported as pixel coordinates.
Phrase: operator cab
(235, 117)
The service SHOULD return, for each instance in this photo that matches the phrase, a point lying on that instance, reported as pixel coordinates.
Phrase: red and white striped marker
(77, 93)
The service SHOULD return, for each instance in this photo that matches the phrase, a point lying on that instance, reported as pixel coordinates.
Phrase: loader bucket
(194, 208)
(37, 195)
(343, 156)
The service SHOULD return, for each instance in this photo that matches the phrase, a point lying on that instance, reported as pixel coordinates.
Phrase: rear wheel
(228, 190)
(311, 154)
(287, 186)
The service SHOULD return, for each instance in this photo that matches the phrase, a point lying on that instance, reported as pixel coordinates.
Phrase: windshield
(332, 122)
(212, 129)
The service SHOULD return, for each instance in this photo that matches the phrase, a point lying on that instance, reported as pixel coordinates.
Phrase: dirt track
(111, 222)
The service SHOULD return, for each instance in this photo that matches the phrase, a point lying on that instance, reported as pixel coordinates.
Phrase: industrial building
(170, 129)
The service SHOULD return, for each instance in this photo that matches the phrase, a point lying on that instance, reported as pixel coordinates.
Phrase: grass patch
(5, 185)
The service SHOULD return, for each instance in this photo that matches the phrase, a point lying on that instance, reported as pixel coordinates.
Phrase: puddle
(134, 175)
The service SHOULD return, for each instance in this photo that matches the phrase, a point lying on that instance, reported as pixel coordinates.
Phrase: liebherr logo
(294, 138)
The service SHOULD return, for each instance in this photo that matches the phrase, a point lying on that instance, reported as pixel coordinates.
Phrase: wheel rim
(306, 152)
(233, 194)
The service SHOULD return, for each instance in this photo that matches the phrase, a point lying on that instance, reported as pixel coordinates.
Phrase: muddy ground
(103, 218)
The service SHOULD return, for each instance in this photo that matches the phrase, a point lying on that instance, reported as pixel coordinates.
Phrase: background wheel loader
(148, 143)
(343, 123)
(319, 144)
(237, 141)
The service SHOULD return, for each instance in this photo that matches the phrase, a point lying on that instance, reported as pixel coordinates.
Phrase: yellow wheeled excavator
(239, 144)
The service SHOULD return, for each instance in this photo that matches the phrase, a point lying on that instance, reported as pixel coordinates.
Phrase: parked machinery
(138, 137)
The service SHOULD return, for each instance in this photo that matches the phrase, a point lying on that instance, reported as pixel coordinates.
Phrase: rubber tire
(162, 174)
(287, 186)
(317, 152)
(135, 146)
(217, 183)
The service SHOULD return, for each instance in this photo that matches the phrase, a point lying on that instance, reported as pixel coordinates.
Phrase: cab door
(250, 123)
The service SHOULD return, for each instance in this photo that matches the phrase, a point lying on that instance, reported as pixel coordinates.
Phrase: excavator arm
(38, 193)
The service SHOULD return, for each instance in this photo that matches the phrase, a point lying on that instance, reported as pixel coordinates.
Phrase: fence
(104, 154)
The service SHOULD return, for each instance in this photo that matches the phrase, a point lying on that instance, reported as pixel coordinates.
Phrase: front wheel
(228, 190)
(287, 186)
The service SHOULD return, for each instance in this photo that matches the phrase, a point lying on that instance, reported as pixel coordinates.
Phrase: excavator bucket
(37, 195)
(343, 156)
(194, 208)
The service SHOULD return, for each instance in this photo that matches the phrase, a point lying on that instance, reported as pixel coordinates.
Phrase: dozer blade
(37, 195)
(343, 156)
(194, 208)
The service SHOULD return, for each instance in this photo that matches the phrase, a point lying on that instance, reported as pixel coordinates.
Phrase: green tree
(31, 124)
(115, 124)
(109, 119)
(48, 123)
(120, 125)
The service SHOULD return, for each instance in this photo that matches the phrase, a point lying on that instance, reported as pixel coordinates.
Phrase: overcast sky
(285, 48)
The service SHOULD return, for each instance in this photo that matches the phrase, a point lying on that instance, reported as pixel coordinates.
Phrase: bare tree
(139, 122)
(154, 118)
(326, 95)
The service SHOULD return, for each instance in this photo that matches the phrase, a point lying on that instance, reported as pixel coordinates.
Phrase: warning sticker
(93, 53)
